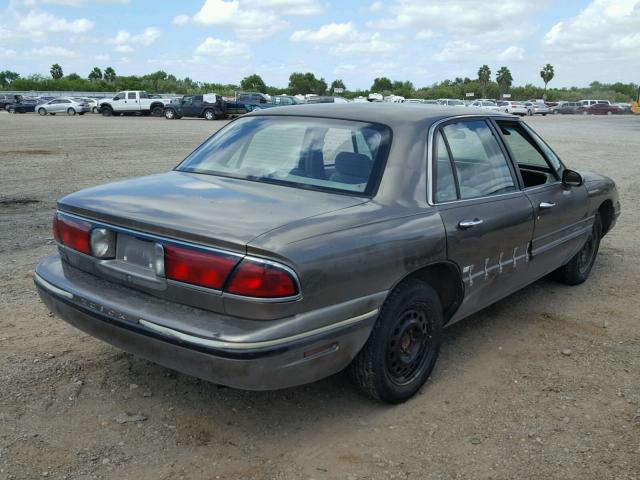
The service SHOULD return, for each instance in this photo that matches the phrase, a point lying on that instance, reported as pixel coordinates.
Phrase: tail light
(205, 269)
(263, 280)
(72, 233)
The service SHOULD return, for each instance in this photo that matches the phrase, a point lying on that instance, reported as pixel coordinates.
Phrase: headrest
(354, 164)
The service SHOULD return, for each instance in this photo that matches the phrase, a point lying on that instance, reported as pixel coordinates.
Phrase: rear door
(488, 219)
(562, 223)
(132, 102)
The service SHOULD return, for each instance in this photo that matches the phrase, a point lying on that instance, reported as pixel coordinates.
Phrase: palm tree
(546, 74)
(484, 77)
(504, 79)
(56, 71)
(109, 74)
(96, 74)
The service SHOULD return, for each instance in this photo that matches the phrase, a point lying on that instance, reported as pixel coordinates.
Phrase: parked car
(413, 100)
(9, 98)
(283, 100)
(567, 108)
(68, 105)
(485, 105)
(93, 103)
(599, 109)
(24, 105)
(133, 102)
(329, 99)
(209, 106)
(624, 107)
(515, 108)
(447, 102)
(299, 241)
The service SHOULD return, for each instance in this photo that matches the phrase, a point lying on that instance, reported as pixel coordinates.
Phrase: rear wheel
(42, 111)
(579, 267)
(157, 110)
(71, 112)
(403, 346)
(209, 114)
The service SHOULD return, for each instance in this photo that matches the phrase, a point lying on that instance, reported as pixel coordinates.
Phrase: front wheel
(107, 111)
(403, 346)
(42, 111)
(579, 267)
(209, 114)
(94, 110)
(169, 114)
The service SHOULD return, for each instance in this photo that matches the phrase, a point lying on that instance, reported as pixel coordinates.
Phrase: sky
(424, 41)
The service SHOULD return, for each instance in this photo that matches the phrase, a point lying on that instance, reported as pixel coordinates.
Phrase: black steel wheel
(403, 346)
(577, 270)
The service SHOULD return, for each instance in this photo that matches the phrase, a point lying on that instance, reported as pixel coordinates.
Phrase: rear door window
(480, 165)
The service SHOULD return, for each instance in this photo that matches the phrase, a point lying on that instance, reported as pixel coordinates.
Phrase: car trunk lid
(206, 209)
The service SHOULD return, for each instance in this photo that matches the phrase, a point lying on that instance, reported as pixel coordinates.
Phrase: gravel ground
(542, 385)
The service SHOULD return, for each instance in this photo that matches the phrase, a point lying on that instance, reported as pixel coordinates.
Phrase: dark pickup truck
(210, 106)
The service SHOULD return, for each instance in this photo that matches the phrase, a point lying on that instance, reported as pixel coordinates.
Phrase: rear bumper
(261, 364)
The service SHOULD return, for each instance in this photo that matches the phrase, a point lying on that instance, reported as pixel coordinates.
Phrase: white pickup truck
(133, 101)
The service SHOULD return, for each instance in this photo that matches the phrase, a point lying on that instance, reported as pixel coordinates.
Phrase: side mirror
(571, 178)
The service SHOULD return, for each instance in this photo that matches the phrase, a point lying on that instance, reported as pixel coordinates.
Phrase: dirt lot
(543, 385)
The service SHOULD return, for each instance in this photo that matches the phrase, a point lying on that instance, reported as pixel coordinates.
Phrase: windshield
(303, 152)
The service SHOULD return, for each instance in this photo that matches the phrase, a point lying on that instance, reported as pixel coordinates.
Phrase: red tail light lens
(206, 269)
(72, 233)
(263, 280)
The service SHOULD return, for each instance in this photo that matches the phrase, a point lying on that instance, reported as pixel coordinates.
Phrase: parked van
(588, 103)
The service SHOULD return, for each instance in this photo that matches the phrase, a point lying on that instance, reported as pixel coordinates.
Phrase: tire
(170, 114)
(106, 111)
(209, 114)
(544, 114)
(394, 364)
(42, 112)
(577, 270)
(71, 112)
(157, 111)
(95, 110)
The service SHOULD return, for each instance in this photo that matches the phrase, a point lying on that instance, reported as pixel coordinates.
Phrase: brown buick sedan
(300, 241)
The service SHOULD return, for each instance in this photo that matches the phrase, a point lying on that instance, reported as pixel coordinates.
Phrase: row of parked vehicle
(212, 106)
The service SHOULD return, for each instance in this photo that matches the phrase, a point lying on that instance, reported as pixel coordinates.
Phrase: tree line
(484, 86)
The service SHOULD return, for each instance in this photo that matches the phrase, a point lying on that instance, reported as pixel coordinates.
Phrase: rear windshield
(303, 152)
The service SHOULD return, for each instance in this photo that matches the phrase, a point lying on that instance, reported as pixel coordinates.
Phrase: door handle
(464, 224)
(546, 205)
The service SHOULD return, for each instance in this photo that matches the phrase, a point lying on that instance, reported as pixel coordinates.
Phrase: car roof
(390, 114)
